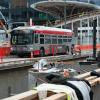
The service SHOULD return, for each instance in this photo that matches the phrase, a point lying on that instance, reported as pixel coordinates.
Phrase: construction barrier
(4, 51)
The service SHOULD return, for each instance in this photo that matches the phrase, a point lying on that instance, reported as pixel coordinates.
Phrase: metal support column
(72, 26)
(80, 31)
(9, 9)
(65, 13)
(88, 31)
(98, 30)
(94, 37)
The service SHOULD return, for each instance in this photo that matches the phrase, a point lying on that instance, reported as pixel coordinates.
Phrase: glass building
(20, 10)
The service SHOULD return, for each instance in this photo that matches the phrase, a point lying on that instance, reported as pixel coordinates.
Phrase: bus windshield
(21, 37)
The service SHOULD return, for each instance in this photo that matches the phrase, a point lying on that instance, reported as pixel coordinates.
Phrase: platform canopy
(57, 7)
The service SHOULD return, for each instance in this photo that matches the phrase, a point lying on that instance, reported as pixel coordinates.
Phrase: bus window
(47, 36)
(69, 40)
(36, 38)
(64, 40)
(54, 41)
(69, 36)
(47, 39)
(59, 36)
(65, 37)
(41, 36)
(41, 40)
(54, 36)
(21, 37)
(59, 41)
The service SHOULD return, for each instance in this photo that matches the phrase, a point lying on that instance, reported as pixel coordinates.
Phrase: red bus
(40, 40)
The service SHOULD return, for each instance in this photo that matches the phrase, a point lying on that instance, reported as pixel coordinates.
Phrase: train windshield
(21, 37)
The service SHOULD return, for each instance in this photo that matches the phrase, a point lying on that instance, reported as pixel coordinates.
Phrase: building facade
(20, 10)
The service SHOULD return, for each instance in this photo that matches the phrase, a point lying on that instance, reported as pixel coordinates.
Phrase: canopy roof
(56, 8)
